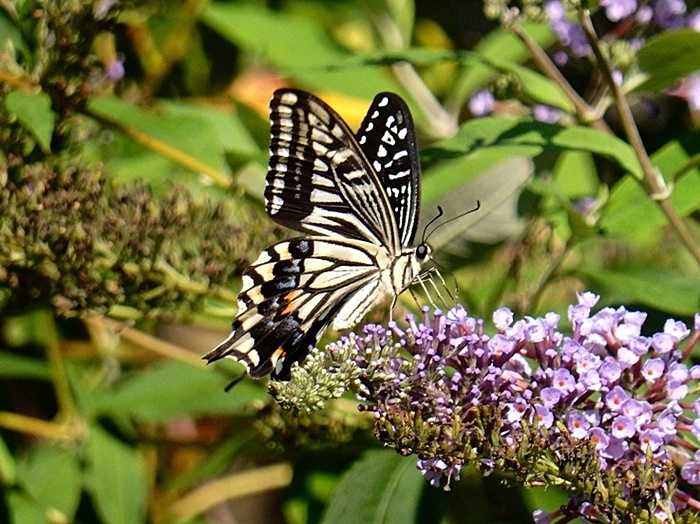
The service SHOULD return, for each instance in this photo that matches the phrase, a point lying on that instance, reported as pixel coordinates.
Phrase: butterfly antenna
(473, 210)
(432, 220)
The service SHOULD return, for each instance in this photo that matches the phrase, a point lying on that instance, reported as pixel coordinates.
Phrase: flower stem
(233, 486)
(585, 113)
(153, 344)
(164, 149)
(653, 182)
(34, 426)
(59, 377)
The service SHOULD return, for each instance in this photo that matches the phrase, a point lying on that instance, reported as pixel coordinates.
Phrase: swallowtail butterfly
(356, 199)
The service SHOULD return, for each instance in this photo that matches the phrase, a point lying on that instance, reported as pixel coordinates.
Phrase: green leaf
(296, 45)
(38, 474)
(230, 132)
(677, 294)
(23, 510)
(535, 85)
(172, 389)
(630, 204)
(116, 479)
(668, 57)
(483, 142)
(188, 135)
(33, 110)
(380, 488)
(575, 174)
(7, 465)
(17, 366)
(10, 34)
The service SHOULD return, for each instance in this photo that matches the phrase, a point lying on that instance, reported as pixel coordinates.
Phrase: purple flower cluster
(604, 408)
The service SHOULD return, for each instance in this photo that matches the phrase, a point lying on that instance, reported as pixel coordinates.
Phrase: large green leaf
(533, 84)
(7, 465)
(380, 488)
(483, 142)
(668, 57)
(116, 479)
(33, 110)
(186, 135)
(172, 389)
(677, 294)
(38, 474)
(631, 213)
(296, 45)
(17, 366)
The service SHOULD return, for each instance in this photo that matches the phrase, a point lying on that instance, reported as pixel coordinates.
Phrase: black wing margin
(388, 139)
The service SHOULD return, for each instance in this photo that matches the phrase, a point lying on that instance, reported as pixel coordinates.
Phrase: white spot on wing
(377, 166)
(375, 114)
(384, 101)
(289, 99)
(402, 133)
(381, 152)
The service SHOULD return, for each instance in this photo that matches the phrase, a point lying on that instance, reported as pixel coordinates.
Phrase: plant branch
(653, 182)
(166, 150)
(150, 343)
(59, 376)
(585, 113)
(441, 123)
(34, 426)
(233, 486)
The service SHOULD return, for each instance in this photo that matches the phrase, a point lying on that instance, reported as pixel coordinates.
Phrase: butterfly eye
(421, 252)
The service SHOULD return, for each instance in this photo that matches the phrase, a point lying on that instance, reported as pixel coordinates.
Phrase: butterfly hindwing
(290, 295)
(388, 139)
(319, 180)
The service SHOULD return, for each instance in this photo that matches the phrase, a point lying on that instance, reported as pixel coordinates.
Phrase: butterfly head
(423, 252)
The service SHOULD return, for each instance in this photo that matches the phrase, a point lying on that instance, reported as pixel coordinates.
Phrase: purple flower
(676, 390)
(669, 13)
(547, 114)
(696, 318)
(588, 299)
(694, 20)
(599, 437)
(550, 396)
(115, 70)
(616, 10)
(691, 472)
(554, 10)
(502, 318)
(572, 36)
(610, 370)
(544, 416)
(623, 427)
(653, 369)
(616, 398)
(481, 103)
(678, 372)
(666, 422)
(663, 343)
(616, 449)
(650, 440)
(564, 381)
(577, 424)
(645, 14)
(676, 329)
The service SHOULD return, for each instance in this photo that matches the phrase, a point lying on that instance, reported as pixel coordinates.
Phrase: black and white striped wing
(319, 180)
(388, 139)
(291, 293)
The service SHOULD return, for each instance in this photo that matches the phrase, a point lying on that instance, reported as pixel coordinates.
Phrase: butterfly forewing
(388, 139)
(319, 180)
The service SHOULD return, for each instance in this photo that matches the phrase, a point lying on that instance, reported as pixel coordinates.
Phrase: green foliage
(133, 152)
(669, 57)
(381, 488)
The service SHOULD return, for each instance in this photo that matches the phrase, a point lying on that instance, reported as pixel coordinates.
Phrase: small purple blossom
(616, 10)
(481, 103)
(694, 20)
(669, 13)
(623, 427)
(663, 342)
(691, 472)
(547, 114)
(616, 398)
(577, 424)
(115, 70)
(599, 437)
(502, 318)
(678, 330)
(653, 369)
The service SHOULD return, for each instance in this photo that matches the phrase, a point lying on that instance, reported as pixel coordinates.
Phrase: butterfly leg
(437, 289)
(392, 306)
(425, 290)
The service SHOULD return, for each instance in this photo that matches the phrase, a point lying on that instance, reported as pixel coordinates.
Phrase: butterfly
(356, 199)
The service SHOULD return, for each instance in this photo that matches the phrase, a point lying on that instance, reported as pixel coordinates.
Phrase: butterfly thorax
(404, 269)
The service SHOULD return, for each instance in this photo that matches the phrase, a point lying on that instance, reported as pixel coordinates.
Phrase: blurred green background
(134, 143)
